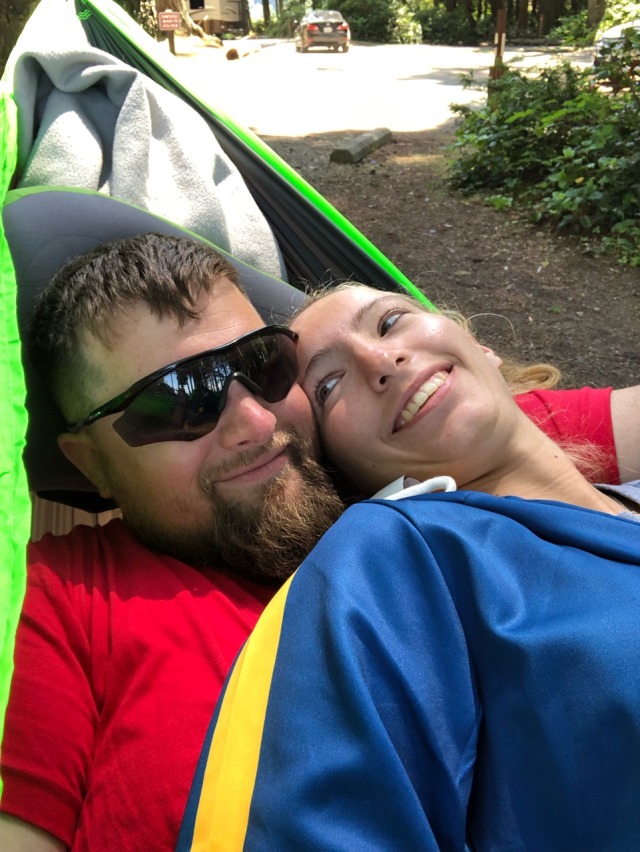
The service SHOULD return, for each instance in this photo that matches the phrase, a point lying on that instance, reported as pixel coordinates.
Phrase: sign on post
(168, 22)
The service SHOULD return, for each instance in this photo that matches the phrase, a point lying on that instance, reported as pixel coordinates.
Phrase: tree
(13, 17)
(595, 12)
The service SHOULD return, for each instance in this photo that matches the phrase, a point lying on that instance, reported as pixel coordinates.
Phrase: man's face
(198, 500)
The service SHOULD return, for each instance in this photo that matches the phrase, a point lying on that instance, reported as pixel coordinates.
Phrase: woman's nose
(379, 363)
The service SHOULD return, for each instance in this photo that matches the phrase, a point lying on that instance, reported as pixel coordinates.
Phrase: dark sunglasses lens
(271, 365)
(168, 411)
(186, 404)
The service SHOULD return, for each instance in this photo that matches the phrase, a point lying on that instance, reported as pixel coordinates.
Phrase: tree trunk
(595, 12)
(13, 17)
(550, 11)
(245, 16)
(523, 16)
(266, 11)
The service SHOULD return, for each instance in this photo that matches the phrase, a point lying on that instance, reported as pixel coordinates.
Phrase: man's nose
(246, 419)
(378, 362)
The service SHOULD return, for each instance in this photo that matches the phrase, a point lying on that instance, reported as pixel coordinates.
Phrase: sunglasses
(184, 401)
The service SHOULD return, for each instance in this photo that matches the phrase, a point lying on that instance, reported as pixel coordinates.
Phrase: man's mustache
(245, 458)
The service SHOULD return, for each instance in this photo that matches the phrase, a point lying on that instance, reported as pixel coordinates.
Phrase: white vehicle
(614, 36)
(217, 16)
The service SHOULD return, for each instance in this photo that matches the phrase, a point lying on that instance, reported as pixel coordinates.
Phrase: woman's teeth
(421, 396)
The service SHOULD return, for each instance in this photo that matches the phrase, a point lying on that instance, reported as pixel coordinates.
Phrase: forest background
(388, 21)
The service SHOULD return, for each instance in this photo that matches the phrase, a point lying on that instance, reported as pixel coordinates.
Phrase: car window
(322, 15)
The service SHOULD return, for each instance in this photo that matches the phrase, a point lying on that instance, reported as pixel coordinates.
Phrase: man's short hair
(167, 274)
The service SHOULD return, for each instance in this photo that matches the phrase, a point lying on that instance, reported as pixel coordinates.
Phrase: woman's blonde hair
(520, 378)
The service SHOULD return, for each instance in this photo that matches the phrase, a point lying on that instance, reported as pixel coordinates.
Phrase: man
(196, 502)
(128, 631)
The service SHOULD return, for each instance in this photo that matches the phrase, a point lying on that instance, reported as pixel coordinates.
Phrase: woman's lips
(420, 396)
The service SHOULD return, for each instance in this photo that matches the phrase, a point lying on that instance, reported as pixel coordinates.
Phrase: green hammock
(15, 507)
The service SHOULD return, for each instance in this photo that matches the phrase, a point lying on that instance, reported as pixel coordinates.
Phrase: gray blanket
(87, 120)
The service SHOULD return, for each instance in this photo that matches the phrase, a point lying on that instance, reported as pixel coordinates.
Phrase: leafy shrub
(573, 30)
(407, 29)
(563, 149)
(442, 27)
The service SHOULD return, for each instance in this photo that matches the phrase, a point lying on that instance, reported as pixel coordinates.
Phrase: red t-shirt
(120, 657)
(582, 415)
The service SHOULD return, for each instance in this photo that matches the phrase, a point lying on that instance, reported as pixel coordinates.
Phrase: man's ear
(496, 360)
(81, 451)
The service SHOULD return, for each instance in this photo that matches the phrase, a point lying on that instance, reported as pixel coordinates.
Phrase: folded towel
(88, 120)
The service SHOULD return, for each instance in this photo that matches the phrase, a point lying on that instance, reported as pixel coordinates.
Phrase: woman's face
(400, 391)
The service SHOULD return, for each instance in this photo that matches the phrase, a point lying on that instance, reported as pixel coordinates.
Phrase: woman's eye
(324, 389)
(389, 320)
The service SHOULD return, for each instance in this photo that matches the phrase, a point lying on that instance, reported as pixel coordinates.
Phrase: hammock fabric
(15, 506)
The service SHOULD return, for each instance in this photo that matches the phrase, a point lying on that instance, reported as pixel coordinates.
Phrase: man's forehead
(136, 341)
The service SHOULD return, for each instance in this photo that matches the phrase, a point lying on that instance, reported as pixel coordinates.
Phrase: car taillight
(312, 26)
(343, 27)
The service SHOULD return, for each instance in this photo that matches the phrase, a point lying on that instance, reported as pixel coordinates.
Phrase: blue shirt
(443, 671)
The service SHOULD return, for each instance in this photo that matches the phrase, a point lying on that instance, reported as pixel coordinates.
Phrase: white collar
(405, 486)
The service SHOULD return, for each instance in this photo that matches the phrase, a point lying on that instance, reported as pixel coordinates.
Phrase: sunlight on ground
(415, 160)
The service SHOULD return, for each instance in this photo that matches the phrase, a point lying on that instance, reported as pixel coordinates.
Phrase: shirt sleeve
(348, 741)
(52, 712)
(578, 416)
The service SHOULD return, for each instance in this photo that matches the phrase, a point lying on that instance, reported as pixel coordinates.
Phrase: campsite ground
(536, 295)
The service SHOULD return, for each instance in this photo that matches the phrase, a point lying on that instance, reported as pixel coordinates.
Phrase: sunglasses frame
(119, 403)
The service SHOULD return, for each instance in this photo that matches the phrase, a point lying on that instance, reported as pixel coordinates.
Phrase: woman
(450, 670)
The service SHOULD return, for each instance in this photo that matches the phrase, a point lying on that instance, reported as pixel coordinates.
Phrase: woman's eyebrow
(316, 358)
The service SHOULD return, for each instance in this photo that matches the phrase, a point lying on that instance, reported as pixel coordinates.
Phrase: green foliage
(442, 27)
(369, 20)
(407, 29)
(573, 30)
(560, 148)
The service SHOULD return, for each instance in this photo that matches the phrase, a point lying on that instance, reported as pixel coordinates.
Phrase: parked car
(322, 28)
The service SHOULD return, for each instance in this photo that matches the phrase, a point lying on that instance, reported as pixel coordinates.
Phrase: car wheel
(304, 49)
(345, 48)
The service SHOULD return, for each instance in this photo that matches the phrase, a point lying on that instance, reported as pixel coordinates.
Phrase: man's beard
(265, 542)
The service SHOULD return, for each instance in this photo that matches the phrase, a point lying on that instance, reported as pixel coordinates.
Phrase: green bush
(560, 147)
(442, 27)
(407, 29)
(573, 30)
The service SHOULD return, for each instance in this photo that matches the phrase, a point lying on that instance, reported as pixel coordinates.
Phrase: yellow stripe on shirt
(232, 765)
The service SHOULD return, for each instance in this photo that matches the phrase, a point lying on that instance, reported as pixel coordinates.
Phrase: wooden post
(497, 70)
